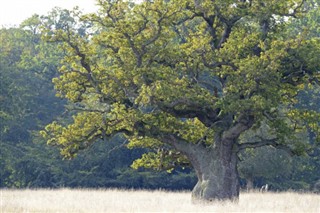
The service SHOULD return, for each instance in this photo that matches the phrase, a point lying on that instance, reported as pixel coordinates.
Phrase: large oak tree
(186, 79)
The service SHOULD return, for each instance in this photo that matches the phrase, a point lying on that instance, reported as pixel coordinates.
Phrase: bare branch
(206, 115)
(85, 109)
(225, 36)
(216, 64)
(118, 147)
(154, 38)
(265, 142)
(187, 18)
(144, 25)
(134, 49)
(114, 49)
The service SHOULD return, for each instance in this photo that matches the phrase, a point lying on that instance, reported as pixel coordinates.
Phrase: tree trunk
(216, 169)
(249, 184)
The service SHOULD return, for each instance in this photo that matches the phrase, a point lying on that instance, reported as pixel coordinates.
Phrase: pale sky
(13, 12)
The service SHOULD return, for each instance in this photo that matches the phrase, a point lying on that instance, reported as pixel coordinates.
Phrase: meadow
(112, 200)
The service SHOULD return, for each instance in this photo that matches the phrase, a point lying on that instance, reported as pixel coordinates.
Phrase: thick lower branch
(244, 123)
(207, 116)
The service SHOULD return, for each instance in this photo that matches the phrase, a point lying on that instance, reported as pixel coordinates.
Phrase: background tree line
(28, 103)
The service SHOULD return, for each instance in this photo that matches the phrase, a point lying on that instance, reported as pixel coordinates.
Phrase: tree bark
(216, 169)
(215, 165)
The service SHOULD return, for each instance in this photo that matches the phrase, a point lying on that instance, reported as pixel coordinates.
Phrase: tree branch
(84, 63)
(134, 49)
(265, 142)
(180, 144)
(295, 10)
(244, 123)
(206, 115)
(216, 64)
(144, 25)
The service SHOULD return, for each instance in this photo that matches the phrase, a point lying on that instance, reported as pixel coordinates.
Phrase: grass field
(70, 200)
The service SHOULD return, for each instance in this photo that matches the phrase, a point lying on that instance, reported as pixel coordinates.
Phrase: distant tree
(186, 79)
(264, 162)
(281, 170)
(27, 99)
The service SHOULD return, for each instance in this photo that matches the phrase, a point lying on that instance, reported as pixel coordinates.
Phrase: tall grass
(68, 200)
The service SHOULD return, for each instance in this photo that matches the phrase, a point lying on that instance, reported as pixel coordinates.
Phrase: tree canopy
(28, 103)
(187, 79)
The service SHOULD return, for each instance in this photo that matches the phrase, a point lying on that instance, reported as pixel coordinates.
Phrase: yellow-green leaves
(185, 69)
(305, 120)
(86, 128)
(162, 159)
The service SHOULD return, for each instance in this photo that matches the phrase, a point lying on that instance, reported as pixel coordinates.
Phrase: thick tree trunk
(215, 165)
(216, 169)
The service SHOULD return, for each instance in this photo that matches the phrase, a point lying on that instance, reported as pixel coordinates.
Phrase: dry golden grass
(68, 200)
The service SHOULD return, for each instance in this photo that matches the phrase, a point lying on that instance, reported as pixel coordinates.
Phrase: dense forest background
(28, 103)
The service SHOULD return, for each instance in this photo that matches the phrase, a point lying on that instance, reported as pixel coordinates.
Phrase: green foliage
(27, 103)
(166, 75)
(143, 70)
(265, 162)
